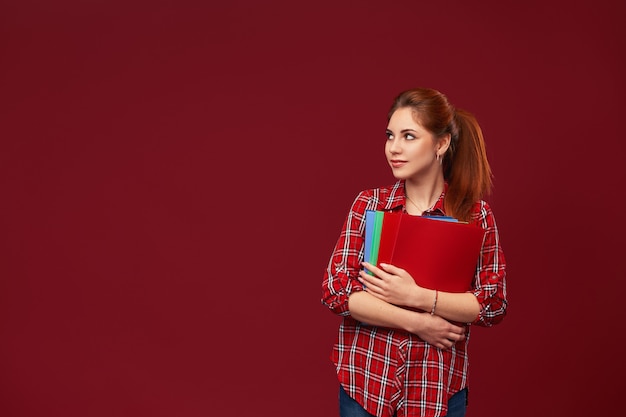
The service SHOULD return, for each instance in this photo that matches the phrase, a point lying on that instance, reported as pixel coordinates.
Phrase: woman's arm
(394, 285)
(460, 307)
(433, 329)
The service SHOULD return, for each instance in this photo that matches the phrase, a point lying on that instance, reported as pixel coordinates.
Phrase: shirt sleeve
(490, 281)
(340, 278)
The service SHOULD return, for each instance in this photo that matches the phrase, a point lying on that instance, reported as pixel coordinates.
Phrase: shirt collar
(397, 199)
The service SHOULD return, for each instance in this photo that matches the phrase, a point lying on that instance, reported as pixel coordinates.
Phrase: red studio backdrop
(174, 175)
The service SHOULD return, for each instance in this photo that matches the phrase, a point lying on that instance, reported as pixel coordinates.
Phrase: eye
(389, 135)
(409, 136)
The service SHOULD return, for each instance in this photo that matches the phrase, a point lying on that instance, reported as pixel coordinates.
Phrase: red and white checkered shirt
(388, 370)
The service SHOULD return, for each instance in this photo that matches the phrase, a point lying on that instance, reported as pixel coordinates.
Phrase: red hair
(465, 165)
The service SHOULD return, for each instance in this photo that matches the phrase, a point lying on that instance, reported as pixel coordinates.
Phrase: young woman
(410, 359)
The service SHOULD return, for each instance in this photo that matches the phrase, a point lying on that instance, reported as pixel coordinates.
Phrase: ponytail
(466, 167)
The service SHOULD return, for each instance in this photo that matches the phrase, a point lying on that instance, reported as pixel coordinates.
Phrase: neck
(421, 196)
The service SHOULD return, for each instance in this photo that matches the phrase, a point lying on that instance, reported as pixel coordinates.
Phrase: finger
(392, 269)
(457, 329)
(364, 276)
(368, 274)
(373, 269)
(369, 281)
(456, 337)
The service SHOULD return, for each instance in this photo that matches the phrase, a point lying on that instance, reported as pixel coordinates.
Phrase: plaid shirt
(387, 369)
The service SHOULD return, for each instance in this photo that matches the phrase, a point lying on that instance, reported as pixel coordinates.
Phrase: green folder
(373, 229)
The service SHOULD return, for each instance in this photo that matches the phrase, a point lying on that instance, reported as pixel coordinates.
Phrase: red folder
(438, 254)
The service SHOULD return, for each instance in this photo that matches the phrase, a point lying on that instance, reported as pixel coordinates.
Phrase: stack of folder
(439, 252)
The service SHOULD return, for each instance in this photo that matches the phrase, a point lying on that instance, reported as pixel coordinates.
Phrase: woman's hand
(391, 284)
(438, 331)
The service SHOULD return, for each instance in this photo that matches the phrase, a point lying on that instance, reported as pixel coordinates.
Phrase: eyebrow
(403, 130)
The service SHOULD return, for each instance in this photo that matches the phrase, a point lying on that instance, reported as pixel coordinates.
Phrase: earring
(440, 160)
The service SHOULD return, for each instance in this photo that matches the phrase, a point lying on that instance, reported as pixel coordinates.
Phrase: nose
(394, 146)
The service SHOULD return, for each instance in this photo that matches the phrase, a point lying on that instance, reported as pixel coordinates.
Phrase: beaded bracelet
(432, 311)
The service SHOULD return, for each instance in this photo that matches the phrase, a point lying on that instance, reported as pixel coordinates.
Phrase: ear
(443, 144)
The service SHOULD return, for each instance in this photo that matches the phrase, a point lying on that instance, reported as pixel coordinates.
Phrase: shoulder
(482, 214)
(381, 198)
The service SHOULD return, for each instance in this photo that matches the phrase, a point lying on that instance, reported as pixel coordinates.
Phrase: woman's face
(410, 149)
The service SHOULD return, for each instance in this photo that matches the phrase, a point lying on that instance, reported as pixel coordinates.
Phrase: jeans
(350, 408)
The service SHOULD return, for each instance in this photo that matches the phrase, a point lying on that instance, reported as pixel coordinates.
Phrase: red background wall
(174, 175)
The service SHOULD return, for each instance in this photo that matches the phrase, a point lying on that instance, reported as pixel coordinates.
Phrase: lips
(396, 163)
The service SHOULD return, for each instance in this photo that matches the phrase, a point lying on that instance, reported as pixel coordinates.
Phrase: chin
(399, 175)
